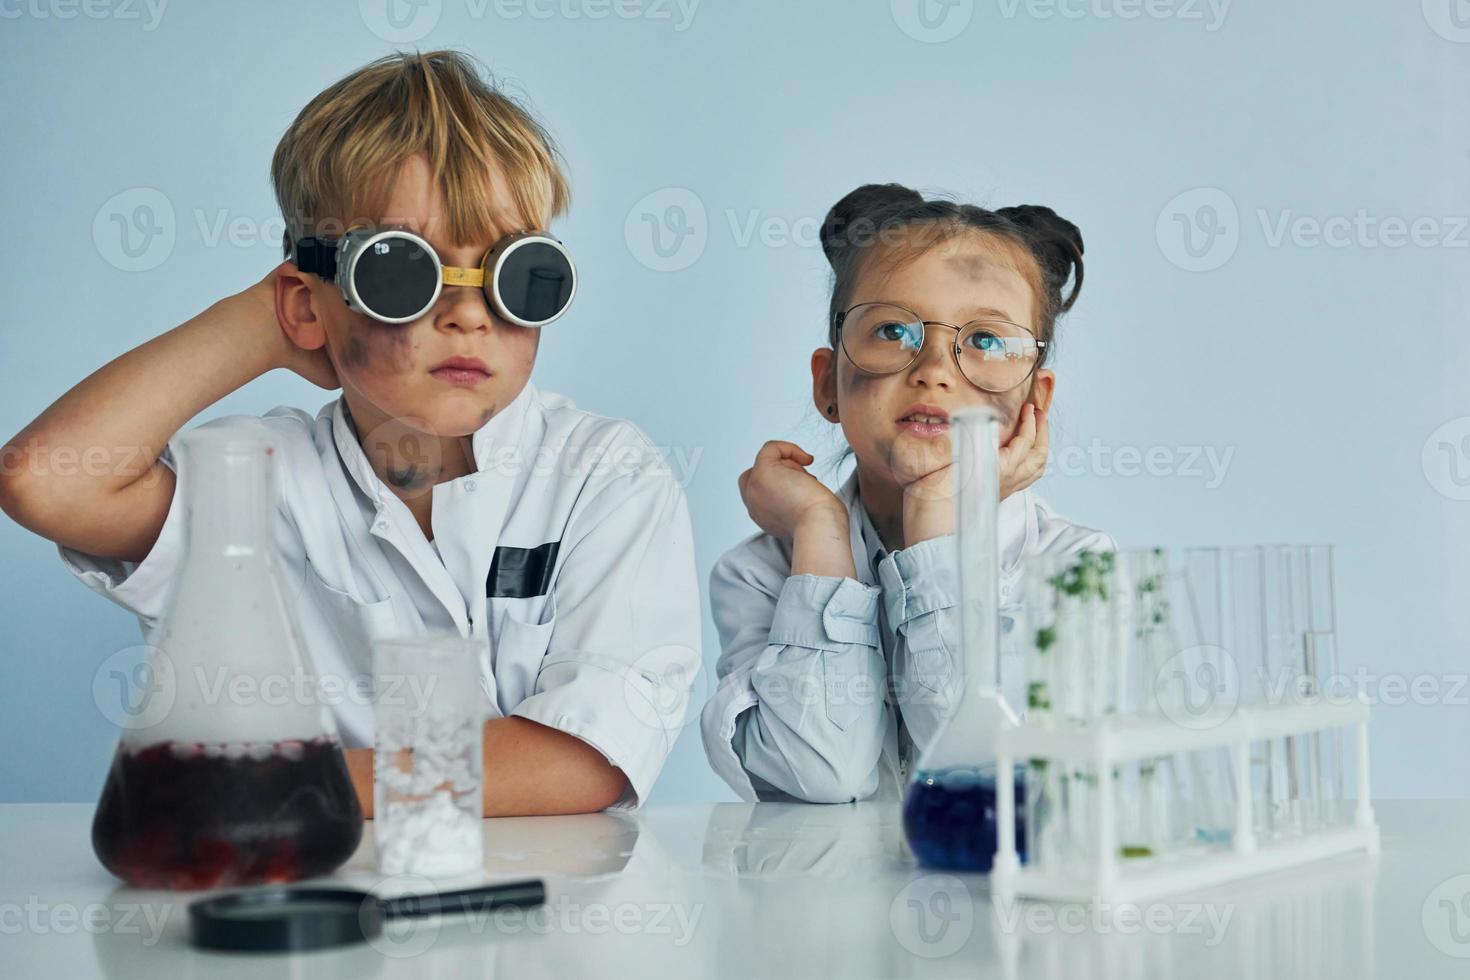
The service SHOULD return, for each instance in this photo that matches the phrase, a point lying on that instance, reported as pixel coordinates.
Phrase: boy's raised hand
(124, 413)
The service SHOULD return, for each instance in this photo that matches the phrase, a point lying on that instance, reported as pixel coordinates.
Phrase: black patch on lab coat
(519, 573)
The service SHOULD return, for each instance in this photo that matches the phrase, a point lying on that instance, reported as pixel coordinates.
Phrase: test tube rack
(1113, 740)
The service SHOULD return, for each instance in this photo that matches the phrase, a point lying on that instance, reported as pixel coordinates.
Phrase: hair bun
(1056, 241)
(869, 199)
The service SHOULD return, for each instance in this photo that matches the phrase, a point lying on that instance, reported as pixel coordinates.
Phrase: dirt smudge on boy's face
(354, 353)
(409, 476)
(385, 348)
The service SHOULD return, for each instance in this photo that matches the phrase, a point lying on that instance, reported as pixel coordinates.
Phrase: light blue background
(1326, 370)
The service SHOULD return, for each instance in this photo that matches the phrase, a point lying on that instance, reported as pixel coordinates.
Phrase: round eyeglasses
(994, 355)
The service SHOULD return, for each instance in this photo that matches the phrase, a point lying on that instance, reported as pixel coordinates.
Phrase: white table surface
(773, 890)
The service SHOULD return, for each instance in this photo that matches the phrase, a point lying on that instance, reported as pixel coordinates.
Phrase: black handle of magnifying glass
(510, 894)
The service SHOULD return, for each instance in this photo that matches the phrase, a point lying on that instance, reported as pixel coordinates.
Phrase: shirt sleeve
(143, 588)
(921, 595)
(625, 644)
(800, 706)
(921, 598)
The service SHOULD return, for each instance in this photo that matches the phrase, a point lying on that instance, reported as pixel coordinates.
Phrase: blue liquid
(949, 818)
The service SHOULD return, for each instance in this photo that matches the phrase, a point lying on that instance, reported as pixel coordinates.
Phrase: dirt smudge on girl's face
(970, 264)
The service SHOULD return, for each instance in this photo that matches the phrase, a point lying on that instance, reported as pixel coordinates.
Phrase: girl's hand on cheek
(781, 495)
(928, 506)
(925, 471)
(928, 503)
(1023, 459)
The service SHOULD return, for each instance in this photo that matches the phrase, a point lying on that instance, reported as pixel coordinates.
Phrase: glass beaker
(428, 786)
(949, 809)
(242, 779)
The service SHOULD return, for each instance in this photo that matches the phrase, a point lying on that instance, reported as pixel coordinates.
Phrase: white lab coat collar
(504, 429)
(1016, 524)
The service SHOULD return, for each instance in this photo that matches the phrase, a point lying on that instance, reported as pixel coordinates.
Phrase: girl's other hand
(780, 494)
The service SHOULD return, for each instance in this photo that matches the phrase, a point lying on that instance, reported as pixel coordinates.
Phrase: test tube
(1047, 689)
(1301, 636)
(1148, 789)
(1320, 654)
(1160, 671)
(1035, 623)
(1255, 623)
(1214, 590)
(428, 779)
(1312, 660)
(1069, 640)
(1282, 665)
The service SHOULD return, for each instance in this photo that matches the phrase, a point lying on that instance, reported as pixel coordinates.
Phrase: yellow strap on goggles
(459, 276)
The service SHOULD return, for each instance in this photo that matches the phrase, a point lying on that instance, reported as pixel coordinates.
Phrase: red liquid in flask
(189, 815)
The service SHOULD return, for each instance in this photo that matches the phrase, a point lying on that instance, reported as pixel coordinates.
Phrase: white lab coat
(591, 618)
(826, 685)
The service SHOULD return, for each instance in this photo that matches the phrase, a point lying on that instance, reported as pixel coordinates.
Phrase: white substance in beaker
(431, 837)
(428, 795)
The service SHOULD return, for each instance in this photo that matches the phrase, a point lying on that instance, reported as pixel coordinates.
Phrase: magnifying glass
(294, 919)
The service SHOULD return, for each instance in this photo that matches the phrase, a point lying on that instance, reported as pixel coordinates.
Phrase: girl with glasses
(838, 622)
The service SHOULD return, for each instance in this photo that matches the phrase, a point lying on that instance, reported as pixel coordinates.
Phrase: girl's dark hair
(885, 217)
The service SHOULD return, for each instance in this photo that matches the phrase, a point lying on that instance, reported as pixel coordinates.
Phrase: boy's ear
(1043, 388)
(824, 382)
(296, 309)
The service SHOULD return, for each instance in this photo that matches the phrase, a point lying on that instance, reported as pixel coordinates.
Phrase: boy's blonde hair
(336, 164)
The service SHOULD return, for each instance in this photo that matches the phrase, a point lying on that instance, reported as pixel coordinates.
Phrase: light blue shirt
(827, 685)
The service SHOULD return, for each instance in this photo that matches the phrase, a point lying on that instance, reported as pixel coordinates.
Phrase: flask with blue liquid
(949, 807)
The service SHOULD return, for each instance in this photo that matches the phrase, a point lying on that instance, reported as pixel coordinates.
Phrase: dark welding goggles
(394, 276)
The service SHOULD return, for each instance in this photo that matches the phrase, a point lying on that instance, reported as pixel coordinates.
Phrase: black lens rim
(492, 267)
(349, 279)
(495, 262)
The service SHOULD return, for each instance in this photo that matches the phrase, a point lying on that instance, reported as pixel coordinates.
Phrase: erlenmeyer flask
(949, 804)
(240, 779)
